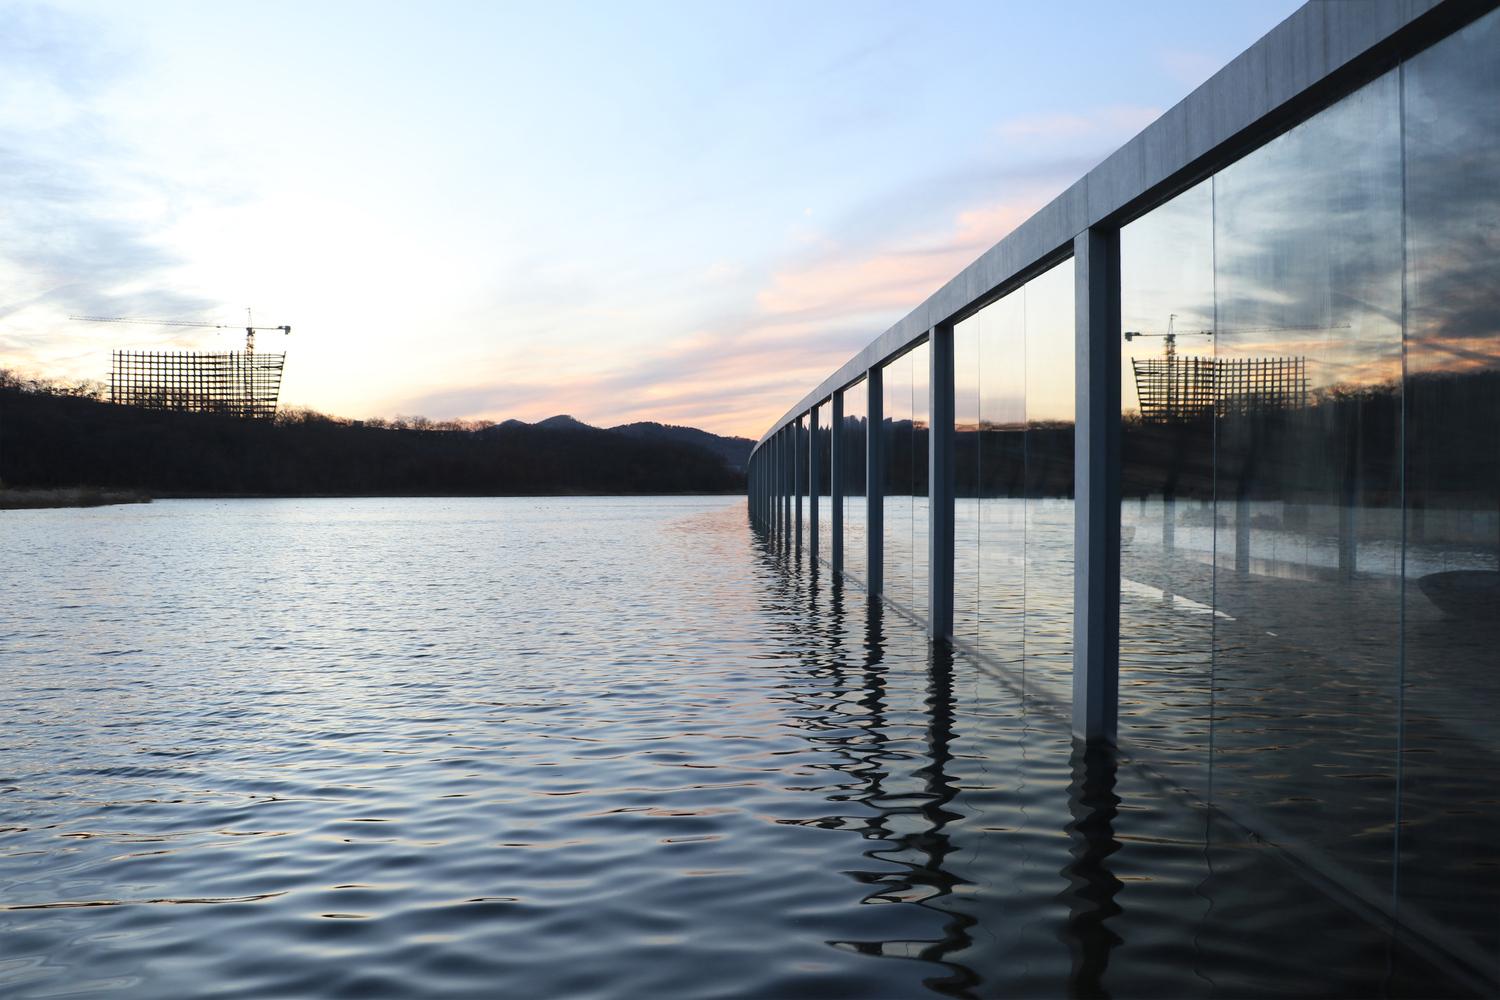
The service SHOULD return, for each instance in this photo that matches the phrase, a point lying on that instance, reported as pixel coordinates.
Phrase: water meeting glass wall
(905, 426)
(1013, 409)
(852, 473)
(1310, 513)
(1309, 481)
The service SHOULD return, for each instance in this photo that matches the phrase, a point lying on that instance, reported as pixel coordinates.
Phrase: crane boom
(250, 331)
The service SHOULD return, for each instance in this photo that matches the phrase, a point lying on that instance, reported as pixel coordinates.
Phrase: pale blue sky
(687, 212)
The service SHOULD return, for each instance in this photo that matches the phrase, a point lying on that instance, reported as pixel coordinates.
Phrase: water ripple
(595, 748)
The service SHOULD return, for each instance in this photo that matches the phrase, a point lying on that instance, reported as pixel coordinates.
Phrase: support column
(799, 479)
(814, 484)
(836, 482)
(788, 484)
(875, 481)
(940, 484)
(1096, 505)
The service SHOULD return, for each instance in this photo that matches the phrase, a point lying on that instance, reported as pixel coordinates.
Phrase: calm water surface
(593, 747)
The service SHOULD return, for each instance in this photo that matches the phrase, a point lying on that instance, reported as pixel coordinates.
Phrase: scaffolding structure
(1174, 389)
(234, 383)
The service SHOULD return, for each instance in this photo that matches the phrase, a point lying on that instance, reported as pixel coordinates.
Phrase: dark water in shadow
(615, 748)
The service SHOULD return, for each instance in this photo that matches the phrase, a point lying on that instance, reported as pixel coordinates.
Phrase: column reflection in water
(1049, 369)
(899, 484)
(1167, 512)
(1308, 251)
(1449, 863)
(852, 469)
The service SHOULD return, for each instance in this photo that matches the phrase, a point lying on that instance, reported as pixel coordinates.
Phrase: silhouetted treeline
(53, 436)
(1436, 437)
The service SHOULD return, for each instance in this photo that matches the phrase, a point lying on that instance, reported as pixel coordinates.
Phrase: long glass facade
(1310, 517)
(1013, 483)
(1449, 865)
(1309, 488)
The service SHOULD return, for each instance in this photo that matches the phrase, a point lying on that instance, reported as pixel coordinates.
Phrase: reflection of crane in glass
(1173, 388)
(1170, 337)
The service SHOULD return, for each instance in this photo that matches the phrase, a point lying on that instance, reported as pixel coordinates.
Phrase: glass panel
(856, 412)
(899, 487)
(1166, 511)
(1049, 485)
(966, 602)
(921, 412)
(1002, 478)
(1450, 865)
(1307, 244)
(817, 483)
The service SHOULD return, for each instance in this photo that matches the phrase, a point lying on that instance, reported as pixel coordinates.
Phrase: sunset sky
(682, 212)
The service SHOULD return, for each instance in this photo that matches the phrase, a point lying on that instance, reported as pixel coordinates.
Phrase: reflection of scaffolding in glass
(1176, 388)
(234, 384)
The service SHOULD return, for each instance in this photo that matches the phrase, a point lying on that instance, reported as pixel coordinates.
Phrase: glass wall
(1310, 521)
(820, 483)
(1167, 508)
(905, 499)
(1050, 339)
(1449, 862)
(852, 469)
(1013, 482)
(1308, 258)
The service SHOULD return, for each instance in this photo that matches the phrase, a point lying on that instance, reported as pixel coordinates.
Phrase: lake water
(582, 747)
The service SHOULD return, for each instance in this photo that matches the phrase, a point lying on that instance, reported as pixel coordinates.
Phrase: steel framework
(233, 383)
(1186, 388)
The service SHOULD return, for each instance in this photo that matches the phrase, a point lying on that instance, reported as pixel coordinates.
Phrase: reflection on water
(571, 747)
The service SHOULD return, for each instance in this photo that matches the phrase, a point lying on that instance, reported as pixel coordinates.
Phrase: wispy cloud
(75, 238)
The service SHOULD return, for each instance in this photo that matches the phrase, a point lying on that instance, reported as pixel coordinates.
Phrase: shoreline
(68, 496)
(91, 496)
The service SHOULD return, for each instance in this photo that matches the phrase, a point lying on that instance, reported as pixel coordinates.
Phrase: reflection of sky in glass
(1307, 244)
(1000, 330)
(1167, 270)
(1453, 242)
(1013, 360)
(1050, 345)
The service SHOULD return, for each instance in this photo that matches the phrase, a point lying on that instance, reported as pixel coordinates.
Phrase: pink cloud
(737, 378)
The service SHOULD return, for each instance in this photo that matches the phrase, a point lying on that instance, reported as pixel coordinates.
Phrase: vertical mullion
(940, 483)
(1096, 442)
(836, 482)
(875, 481)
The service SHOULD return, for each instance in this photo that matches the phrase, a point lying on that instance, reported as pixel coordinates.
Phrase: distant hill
(734, 450)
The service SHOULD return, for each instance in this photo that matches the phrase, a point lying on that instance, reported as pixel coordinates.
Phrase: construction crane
(250, 330)
(1170, 337)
